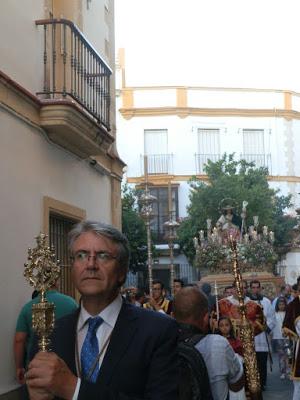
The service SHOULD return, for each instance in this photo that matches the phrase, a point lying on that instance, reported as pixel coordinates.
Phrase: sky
(223, 43)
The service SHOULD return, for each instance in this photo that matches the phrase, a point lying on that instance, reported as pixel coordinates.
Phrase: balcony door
(208, 147)
(156, 149)
(253, 147)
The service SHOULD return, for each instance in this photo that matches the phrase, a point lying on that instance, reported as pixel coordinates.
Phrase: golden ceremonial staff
(217, 301)
(42, 272)
(246, 333)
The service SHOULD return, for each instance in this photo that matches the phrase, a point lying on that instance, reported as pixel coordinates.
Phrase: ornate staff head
(42, 272)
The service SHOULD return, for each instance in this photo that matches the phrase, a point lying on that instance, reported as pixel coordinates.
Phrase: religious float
(256, 255)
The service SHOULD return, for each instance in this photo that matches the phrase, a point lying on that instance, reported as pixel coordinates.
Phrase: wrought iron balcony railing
(202, 159)
(73, 69)
(158, 163)
(260, 160)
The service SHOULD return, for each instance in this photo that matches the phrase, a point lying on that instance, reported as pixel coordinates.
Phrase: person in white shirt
(262, 340)
(280, 342)
(224, 367)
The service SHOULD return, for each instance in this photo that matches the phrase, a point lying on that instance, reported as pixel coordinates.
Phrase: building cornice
(162, 180)
(183, 112)
(213, 88)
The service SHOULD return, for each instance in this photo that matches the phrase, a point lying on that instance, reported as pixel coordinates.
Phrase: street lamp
(171, 235)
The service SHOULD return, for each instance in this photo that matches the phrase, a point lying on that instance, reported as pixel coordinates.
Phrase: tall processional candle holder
(171, 235)
(246, 332)
(42, 272)
(146, 202)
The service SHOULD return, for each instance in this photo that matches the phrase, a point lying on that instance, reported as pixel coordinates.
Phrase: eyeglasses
(100, 257)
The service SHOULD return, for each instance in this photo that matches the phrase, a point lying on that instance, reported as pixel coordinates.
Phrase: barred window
(59, 227)
(208, 148)
(161, 211)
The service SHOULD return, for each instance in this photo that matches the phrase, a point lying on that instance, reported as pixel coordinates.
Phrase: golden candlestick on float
(42, 272)
(246, 333)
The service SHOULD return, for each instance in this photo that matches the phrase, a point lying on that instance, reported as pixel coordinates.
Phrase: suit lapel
(122, 335)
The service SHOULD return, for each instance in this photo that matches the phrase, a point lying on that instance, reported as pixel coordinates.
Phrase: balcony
(202, 159)
(260, 160)
(75, 96)
(158, 164)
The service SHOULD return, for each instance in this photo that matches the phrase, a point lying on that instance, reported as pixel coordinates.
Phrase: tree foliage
(239, 180)
(134, 229)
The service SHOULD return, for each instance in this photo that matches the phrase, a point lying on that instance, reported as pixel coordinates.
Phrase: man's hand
(49, 373)
(237, 386)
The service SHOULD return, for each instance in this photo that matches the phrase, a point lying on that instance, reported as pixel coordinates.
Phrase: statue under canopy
(229, 224)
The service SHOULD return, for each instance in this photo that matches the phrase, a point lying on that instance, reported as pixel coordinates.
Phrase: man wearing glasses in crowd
(109, 349)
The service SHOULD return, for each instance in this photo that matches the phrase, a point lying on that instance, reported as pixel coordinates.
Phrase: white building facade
(180, 128)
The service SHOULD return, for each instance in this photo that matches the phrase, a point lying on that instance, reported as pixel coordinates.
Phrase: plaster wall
(95, 28)
(234, 99)
(152, 98)
(31, 169)
(21, 43)
(292, 270)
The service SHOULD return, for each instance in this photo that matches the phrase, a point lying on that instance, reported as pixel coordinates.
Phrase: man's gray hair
(106, 230)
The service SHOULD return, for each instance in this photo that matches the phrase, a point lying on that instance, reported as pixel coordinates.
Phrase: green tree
(240, 181)
(134, 229)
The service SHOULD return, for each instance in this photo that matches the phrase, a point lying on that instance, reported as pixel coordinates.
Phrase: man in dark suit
(108, 349)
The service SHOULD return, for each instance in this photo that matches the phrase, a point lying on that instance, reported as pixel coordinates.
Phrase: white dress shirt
(109, 315)
(277, 331)
(261, 343)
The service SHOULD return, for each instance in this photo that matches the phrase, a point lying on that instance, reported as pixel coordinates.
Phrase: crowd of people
(121, 343)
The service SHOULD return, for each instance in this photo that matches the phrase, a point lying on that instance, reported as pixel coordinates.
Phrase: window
(161, 210)
(155, 141)
(254, 148)
(59, 228)
(208, 147)
(156, 149)
(253, 141)
(58, 220)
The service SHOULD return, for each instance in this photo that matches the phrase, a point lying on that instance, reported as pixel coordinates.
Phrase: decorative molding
(156, 180)
(61, 208)
(72, 129)
(183, 112)
(162, 180)
(181, 97)
(18, 99)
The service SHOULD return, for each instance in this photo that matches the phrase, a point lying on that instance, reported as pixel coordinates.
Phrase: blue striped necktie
(90, 351)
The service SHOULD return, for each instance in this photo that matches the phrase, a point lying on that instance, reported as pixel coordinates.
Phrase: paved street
(276, 388)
